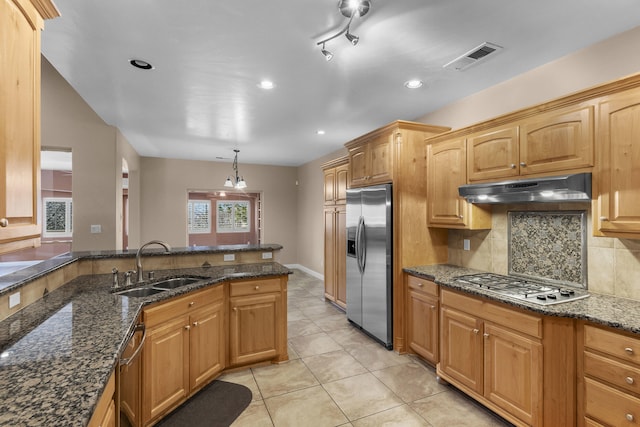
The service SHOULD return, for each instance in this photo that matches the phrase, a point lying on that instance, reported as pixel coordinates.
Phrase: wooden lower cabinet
(609, 377)
(423, 320)
(130, 382)
(184, 350)
(105, 414)
(257, 321)
(518, 364)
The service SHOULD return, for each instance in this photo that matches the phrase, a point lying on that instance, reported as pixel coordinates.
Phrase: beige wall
(164, 184)
(310, 213)
(69, 122)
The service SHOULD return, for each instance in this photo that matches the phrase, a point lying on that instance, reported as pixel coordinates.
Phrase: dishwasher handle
(139, 327)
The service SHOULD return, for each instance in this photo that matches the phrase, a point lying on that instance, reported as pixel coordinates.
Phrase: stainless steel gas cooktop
(534, 291)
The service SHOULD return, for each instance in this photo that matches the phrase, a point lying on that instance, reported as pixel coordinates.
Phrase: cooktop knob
(542, 297)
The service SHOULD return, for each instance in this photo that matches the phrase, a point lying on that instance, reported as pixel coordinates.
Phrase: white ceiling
(201, 100)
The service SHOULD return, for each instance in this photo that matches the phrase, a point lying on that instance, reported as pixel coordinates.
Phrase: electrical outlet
(466, 244)
(14, 299)
(229, 257)
(267, 255)
(96, 228)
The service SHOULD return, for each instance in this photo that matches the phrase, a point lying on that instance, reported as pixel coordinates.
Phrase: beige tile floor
(337, 376)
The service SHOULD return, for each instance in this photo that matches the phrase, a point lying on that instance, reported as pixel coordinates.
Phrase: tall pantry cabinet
(21, 22)
(335, 231)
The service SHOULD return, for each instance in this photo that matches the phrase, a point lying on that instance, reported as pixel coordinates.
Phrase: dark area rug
(216, 405)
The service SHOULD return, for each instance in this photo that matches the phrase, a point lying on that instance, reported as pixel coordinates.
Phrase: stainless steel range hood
(565, 188)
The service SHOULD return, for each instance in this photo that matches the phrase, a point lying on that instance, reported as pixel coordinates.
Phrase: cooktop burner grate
(533, 291)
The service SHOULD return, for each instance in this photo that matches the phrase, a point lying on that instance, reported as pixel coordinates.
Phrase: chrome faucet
(140, 275)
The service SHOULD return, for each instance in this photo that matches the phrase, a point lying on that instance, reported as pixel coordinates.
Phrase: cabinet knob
(523, 164)
(191, 304)
(485, 335)
(629, 380)
(433, 307)
(512, 165)
(420, 284)
(195, 323)
(475, 331)
(4, 222)
(187, 327)
(235, 308)
(629, 350)
(257, 288)
(604, 218)
(629, 417)
(460, 216)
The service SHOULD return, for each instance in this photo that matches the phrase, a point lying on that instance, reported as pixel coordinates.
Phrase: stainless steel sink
(175, 282)
(140, 292)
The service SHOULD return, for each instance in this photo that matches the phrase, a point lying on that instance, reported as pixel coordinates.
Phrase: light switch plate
(466, 244)
(267, 255)
(14, 299)
(229, 257)
(96, 228)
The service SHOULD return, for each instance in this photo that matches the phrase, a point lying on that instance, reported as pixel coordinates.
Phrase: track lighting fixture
(240, 182)
(348, 8)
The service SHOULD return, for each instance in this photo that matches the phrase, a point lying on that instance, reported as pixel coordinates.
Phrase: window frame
(191, 216)
(233, 229)
(68, 217)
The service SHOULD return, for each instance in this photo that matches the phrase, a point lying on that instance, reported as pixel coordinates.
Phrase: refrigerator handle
(363, 251)
(359, 244)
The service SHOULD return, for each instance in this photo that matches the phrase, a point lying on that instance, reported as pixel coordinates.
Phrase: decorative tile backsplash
(548, 245)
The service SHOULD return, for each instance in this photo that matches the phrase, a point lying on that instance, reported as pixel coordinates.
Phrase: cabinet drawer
(610, 406)
(494, 312)
(616, 373)
(251, 287)
(612, 343)
(422, 285)
(164, 311)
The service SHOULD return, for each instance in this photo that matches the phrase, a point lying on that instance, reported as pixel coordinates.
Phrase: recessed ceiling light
(139, 63)
(266, 84)
(413, 84)
(320, 132)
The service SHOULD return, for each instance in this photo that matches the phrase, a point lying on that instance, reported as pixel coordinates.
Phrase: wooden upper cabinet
(336, 174)
(618, 198)
(371, 162)
(20, 25)
(559, 141)
(447, 170)
(493, 154)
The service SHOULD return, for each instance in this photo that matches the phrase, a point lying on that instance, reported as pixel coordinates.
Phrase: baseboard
(306, 270)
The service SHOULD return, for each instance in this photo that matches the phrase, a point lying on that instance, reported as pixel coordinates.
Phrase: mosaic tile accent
(549, 245)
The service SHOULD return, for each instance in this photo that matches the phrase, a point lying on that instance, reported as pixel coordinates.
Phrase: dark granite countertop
(17, 279)
(57, 354)
(615, 312)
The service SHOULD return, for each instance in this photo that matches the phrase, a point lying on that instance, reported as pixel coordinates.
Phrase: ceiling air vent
(474, 55)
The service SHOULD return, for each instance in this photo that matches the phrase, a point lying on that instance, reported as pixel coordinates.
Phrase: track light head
(327, 55)
(350, 8)
(353, 39)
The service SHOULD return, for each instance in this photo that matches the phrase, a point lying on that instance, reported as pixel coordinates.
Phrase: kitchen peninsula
(59, 352)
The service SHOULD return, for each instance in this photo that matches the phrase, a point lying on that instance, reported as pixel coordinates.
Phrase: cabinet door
(381, 161)
(557, 142)
(165, 372)
(130, 384)
(461, 354)
(342, 178)
(341, 256)
(513, 373)
(20, 28)
(358, 169)
(423, 325)
(619, 174)
(493, 154)
(330, 254)
(446, 172)
(206, 343)
(329, 186)
(253, 335)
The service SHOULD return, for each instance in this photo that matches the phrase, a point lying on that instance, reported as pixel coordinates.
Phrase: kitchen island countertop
(607, 310)
(57, 354)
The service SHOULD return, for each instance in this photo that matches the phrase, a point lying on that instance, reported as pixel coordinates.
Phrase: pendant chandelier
(239, 183)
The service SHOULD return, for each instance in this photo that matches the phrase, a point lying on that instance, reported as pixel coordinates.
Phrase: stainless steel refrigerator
(369, 261)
